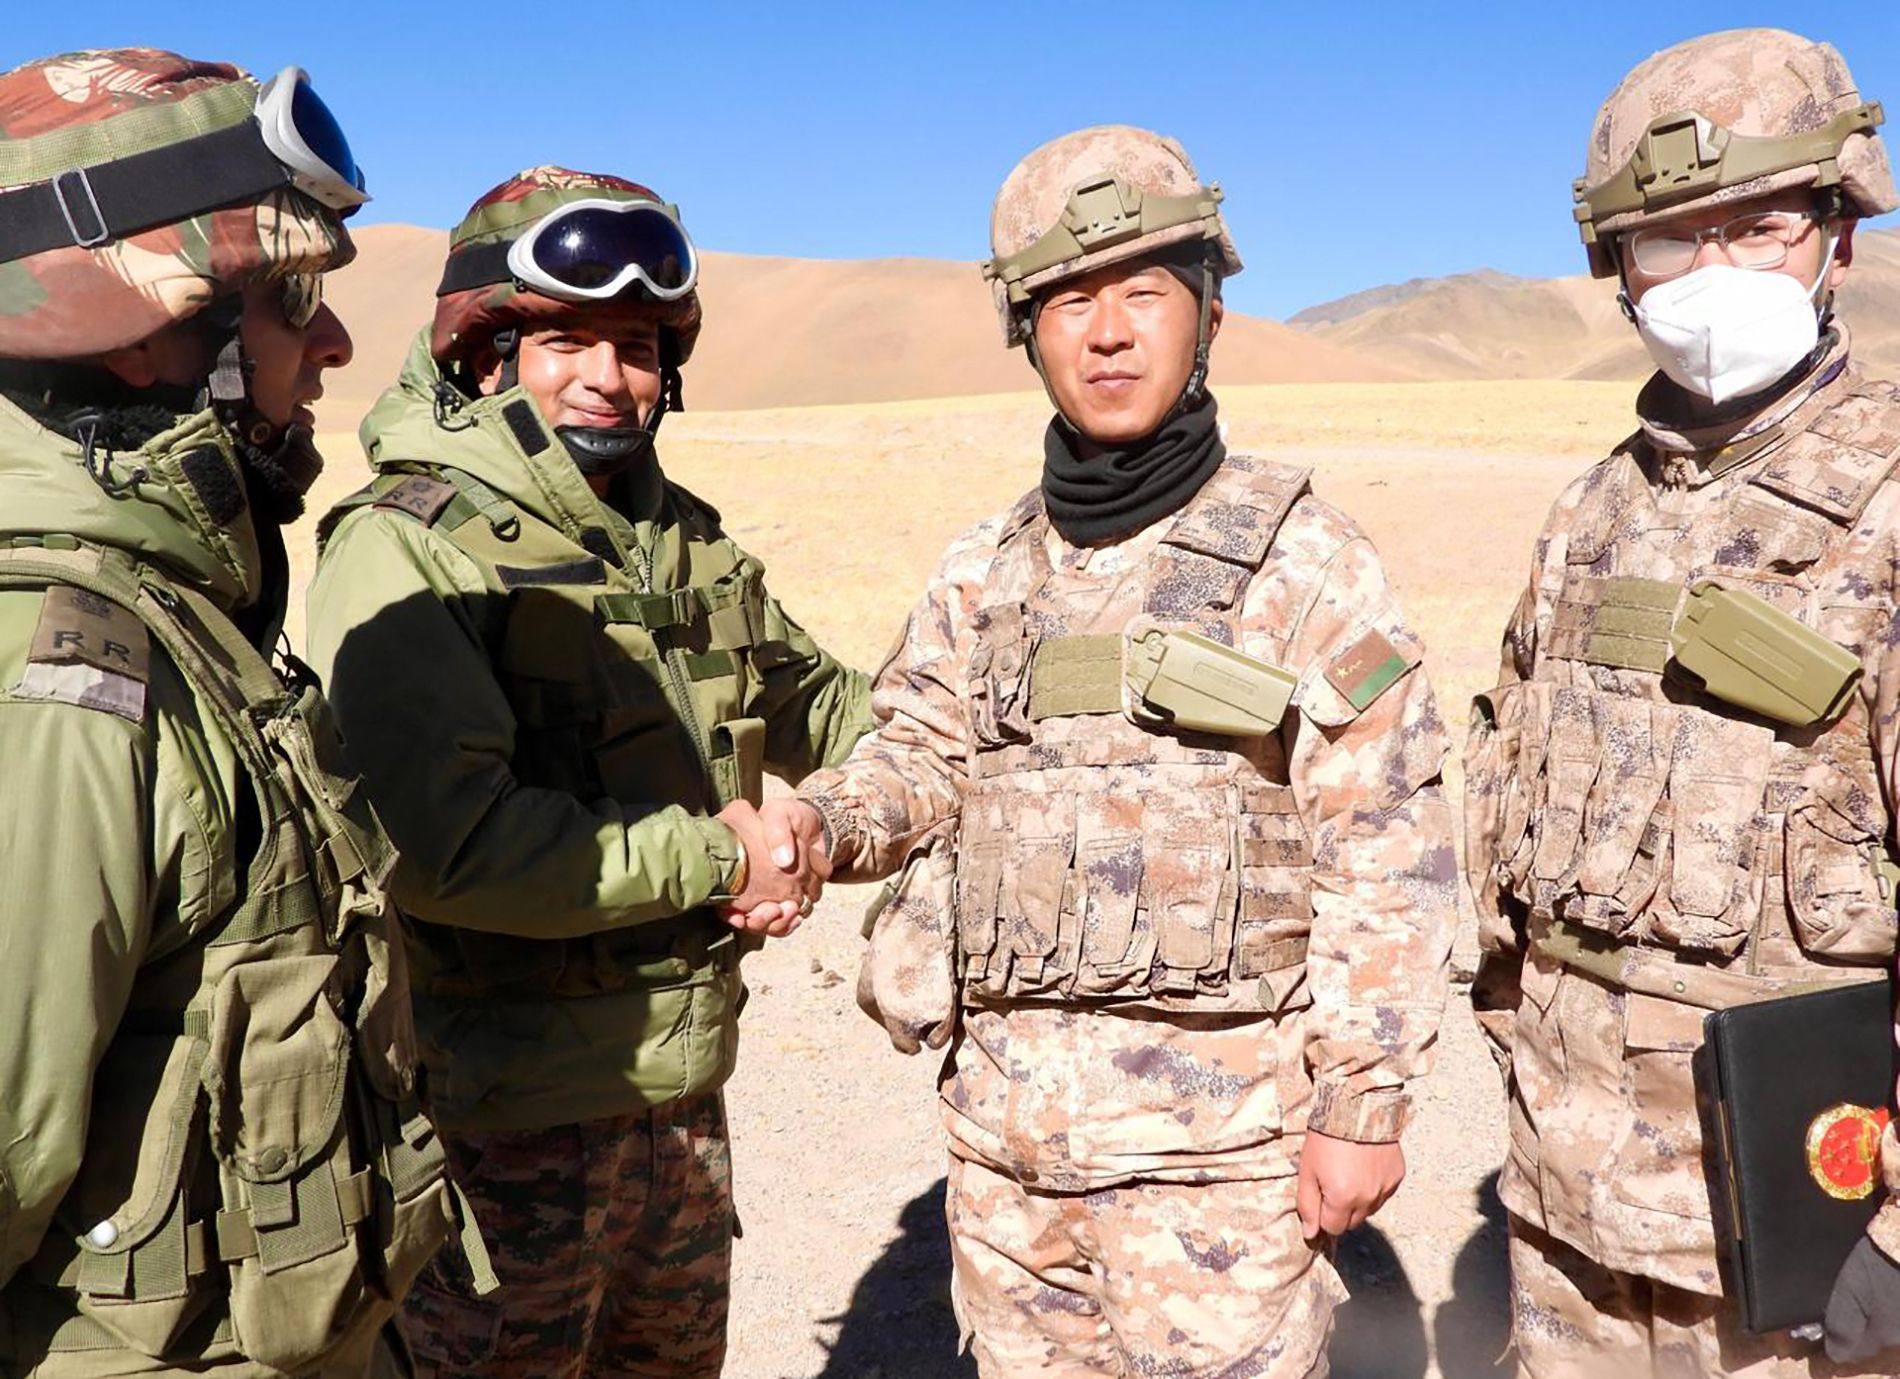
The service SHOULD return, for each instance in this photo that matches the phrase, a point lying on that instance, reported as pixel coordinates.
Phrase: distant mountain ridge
(1486, 324)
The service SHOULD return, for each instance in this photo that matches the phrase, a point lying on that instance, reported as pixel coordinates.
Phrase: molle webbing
(733, 612)
(1076, 675)
(1621, 622)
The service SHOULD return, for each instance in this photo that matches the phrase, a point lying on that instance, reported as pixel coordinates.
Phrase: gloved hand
(1863, 1313)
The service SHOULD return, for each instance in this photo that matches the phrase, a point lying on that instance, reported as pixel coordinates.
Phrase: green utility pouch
(1749, 653)
(1192, 682)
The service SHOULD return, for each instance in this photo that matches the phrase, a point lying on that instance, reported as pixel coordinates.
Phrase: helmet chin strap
(1191, 393)
(281, 462)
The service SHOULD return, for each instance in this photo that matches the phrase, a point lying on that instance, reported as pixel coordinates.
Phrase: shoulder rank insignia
(420, 497)
(89, 651)
(1368, 668)
(1844, 1150)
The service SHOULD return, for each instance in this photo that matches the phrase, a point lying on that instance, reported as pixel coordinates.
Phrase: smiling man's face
(1117, 347)
(598, 369)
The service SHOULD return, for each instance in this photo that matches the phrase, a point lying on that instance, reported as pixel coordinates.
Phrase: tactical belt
(1173, 679)
(1734, 645)
(1667, 975)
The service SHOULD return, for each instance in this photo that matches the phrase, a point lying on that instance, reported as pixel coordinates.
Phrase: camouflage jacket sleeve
(815, 708)
(1365, 755)
(109, 833)
(908, 775)
(1496, 989)
(395, 633)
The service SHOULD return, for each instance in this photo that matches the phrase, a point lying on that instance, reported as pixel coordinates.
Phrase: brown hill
(1493, 325)
(794, 332)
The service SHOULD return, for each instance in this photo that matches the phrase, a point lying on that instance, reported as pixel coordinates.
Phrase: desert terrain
(849, 419)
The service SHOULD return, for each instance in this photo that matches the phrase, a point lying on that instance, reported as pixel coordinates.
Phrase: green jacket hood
(158, 513)
(501, 440)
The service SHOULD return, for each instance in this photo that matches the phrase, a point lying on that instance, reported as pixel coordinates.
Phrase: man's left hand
(1343, 1182)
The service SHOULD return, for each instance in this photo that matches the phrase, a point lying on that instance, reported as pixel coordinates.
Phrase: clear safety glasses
(1760, 241)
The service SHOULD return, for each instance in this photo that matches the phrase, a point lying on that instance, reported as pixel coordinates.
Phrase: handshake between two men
(786, 865)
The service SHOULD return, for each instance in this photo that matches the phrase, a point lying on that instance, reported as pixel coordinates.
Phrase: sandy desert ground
(842, 1272)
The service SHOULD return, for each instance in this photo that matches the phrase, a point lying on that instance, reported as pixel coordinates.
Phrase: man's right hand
(786, 865)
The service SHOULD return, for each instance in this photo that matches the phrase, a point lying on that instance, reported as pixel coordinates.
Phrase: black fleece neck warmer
(1099, 498)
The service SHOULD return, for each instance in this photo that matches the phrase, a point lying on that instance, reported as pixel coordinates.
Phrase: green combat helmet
(1727, 117)
(1096, 197)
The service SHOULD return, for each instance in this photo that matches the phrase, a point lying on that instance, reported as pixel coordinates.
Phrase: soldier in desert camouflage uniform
(1203, 900)
(1644, 845)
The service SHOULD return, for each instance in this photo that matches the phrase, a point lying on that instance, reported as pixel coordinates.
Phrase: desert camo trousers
(1144, 1278)
(1574, 1319)
(613, 1243)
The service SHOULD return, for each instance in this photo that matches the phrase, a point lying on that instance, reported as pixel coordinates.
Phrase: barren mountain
(786, 332)
(1493, 325)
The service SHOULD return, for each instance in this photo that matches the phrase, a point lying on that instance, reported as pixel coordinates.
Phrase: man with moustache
(1203, 868)
(563, 682)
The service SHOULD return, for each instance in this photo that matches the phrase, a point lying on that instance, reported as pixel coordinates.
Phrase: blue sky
(1358, 144)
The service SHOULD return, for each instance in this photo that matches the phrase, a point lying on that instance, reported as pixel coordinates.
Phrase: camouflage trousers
(613, 1243)
(1574, 1319)
(1144, 1278)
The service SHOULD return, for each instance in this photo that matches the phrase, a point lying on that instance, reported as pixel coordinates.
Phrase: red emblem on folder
(1844, 1150)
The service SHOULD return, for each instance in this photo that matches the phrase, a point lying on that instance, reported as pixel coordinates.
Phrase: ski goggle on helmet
(588, 250)
(291, 139)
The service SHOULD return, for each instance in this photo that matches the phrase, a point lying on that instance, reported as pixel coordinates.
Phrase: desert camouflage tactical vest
(258, 1171)
(1104, 860)
(618, 691)
(1626, 806)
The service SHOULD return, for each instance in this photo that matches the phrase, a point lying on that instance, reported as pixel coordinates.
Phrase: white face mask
(1724, 332)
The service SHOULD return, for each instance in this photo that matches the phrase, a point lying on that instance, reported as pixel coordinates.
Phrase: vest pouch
(1117, 947)
(547, 671)
(1036, 908)
(738, 760)
(1614, 879)
(1276, 887)
(907, 979)
(1717, 779)
(134, 1251)
(999, 676)
(980, 859)
(1841, 903)
(415, 1204)
(277, 1074)
(1188, 890)
(1655, 1161)
(353, 857)
(1570, 772)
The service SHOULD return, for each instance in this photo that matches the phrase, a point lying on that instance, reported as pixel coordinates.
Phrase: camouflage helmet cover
(468, 319)
(1045, 193)
(1728, 117)
(81, 109)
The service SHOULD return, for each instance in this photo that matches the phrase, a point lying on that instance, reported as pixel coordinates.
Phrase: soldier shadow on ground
(1472, 1328)
(899, 1324)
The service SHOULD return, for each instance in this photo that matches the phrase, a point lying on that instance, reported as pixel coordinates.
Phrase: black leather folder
(1776, 1073)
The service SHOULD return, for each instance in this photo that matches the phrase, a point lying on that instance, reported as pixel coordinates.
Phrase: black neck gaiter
(1115, 492)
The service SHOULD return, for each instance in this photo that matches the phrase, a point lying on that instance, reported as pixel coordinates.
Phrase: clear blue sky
(1358, 143)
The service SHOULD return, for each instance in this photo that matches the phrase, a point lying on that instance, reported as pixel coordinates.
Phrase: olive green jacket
(117, 828)
(548, 696)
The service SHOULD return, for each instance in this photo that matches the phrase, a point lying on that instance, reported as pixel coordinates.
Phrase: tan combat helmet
(1727, 117)
(1096, 197)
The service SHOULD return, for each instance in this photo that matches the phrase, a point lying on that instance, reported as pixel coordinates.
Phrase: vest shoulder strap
(1838, 462)
(1239, 510)
(434, 495)
(692, 505)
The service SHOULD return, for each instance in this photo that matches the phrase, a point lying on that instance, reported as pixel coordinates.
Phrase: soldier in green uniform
(562, 682)
(212, 1159)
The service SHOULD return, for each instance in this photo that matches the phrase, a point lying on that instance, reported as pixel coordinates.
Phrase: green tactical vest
(259, 1178)
(620, 690)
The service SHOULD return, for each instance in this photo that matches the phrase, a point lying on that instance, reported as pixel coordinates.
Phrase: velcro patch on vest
(89, 651)
(587, 571)
(420, 497)
(1367, 669)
